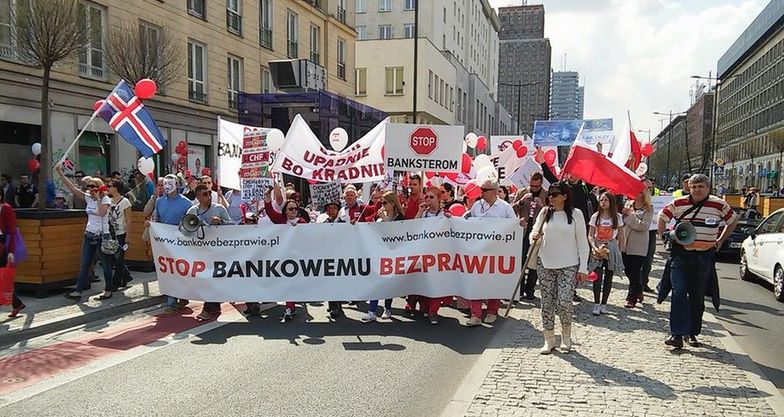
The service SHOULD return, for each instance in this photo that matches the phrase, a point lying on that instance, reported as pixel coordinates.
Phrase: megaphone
(683, 234)
(190, 223)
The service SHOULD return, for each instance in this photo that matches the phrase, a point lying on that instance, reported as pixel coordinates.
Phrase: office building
(566, 96)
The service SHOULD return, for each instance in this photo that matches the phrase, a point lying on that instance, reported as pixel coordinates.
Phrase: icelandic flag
(126, 114)
(595, 168)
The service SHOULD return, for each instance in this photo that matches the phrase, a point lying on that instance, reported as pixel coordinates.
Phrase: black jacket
(581, 196)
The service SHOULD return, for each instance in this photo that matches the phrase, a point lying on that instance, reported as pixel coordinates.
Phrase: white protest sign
(502, 143)
(255, 153)
(658, 203)
(432, 257)
(325, 193)
(302, 155)
(506, 162)
(230, 137)
(254, 189)
(412, 147)
(521, 178)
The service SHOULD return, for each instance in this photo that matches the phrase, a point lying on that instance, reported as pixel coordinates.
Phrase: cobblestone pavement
(619, 366)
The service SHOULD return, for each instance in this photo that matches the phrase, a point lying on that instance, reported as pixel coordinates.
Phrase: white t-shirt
(117, 213)
(95, 223)
(500, 210)
(604, 227)
(427, 213)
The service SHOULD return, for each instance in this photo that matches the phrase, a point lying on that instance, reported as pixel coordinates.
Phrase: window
(234, 78)
(394, 78)
(459, 112)
(430, 84)
(770, 225)
(233, 17)
(361, 82)
(450, 100)
(266, 81)
(292, 36)
(444, 14)
(443, 93)
(196, 8)
(150, 41)
(361, 6)
(342, 11)
(410, 5)
(265, 23)
(341, 59)
(385, 31)
(197, 71)
(8, 13)
(361, 32)
(315, 41)
(408, 30)
(435, 87)
(384, 5)
(91, 56)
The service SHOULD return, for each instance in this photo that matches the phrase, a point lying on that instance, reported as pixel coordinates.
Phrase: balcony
(234, 22)
(90, 71)
(342, 14)
(315, 57)
(265, 37)
(292, 51)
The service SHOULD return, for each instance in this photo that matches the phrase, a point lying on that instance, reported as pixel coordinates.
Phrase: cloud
(638, 55)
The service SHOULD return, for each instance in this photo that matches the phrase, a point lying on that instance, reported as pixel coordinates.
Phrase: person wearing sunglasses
(97, 203)
(490, 206)
(291, 216)
(431, 208)
(392, 211)
(563, 253)
(527, 206)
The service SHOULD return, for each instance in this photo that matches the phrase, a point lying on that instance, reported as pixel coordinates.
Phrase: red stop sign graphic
(423, 141)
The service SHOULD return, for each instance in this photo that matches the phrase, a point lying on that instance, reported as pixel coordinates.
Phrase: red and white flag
(627, 150)
(593, 167)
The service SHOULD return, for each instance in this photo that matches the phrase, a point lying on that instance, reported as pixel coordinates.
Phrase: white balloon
(436, 181)
(471, 140)
(485, 174)
(481, 161)
(36, 148)
(338, 138)
(465, 146)
(145, 165)
(641, 169)
(275, 139)
(175, 157)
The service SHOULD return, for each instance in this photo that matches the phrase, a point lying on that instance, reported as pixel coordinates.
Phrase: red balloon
(646, 150)
(188, 173)
(465, 164)
(457, 210)
(207, 172)
(98, 104)
(549, 157)
(33, 165)
(481, 143)
(517, 144)
(145, 88)
(451, 175)
(522, 152)
(183, 160)
(472, 190)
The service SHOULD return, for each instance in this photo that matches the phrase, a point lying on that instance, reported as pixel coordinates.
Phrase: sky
(638, 55)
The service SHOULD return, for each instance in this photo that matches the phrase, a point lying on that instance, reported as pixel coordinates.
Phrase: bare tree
(47, 32)
(144, 51)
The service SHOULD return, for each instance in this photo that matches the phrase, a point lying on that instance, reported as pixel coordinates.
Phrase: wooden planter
(771, 204)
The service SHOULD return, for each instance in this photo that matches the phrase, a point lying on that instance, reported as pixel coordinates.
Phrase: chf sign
(423, 141)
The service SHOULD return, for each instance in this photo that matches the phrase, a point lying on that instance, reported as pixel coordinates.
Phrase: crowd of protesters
(574, 229)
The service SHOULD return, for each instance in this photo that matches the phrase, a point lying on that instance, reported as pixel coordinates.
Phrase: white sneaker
(287, 314)
(597, 310)
(603, 308)
(387, 314)
(371, 316)
(474, 321)
(491, 318)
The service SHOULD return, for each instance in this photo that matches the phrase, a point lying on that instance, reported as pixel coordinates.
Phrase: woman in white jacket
(563, 258)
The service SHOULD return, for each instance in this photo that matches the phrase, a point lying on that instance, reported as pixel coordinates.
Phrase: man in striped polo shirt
(692, 266)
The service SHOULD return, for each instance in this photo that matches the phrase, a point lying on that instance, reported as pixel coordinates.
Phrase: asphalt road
(753, 316)
(307, 367)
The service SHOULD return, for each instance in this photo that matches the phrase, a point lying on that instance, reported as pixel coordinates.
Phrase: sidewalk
(619, 366)
(55, 312)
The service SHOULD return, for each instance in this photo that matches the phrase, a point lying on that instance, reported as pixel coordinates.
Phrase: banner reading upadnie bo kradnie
(475, 259)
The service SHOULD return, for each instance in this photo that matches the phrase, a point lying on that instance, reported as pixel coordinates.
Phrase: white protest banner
(501, 143)
(474, 259)
(506, 162)
(658, 203)
(599, 131)
(230, 153)
(254, 189)
(302, 155)
(521, 178)
(412, 147)
(325, 193)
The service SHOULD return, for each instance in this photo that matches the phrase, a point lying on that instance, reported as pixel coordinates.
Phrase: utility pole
(416, 59)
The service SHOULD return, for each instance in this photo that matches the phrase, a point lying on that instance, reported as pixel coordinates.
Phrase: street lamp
(519, 100)
(669, 139)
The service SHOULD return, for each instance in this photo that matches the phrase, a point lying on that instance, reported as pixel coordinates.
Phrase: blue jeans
(90, 245)
(374, 305)
(689, 273)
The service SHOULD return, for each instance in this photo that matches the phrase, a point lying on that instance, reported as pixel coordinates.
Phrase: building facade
(223, 49)
(457, 63)
(668, 161)
(566, 96)
(751, 103)
(524, 65)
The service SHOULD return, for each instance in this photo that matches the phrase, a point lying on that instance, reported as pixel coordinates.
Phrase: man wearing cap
(59, 201)
(684, 191)
(490, 206)
(352, 212)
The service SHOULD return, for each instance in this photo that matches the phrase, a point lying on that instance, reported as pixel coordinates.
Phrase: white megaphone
(683, 234)
(190, 224)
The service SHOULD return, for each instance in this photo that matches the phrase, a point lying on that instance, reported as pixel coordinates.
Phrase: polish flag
(627, 150)
(593, 167)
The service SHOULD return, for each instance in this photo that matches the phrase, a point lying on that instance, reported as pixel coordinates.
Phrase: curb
(73, 320)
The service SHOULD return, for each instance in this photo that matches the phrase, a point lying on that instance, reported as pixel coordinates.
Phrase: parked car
(762, 254)
(748, 220)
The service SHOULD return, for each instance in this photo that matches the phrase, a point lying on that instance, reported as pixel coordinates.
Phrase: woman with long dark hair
(562, 255)
(8, 246)
(608, 242)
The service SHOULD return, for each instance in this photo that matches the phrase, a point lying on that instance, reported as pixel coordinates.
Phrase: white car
(762, 253)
